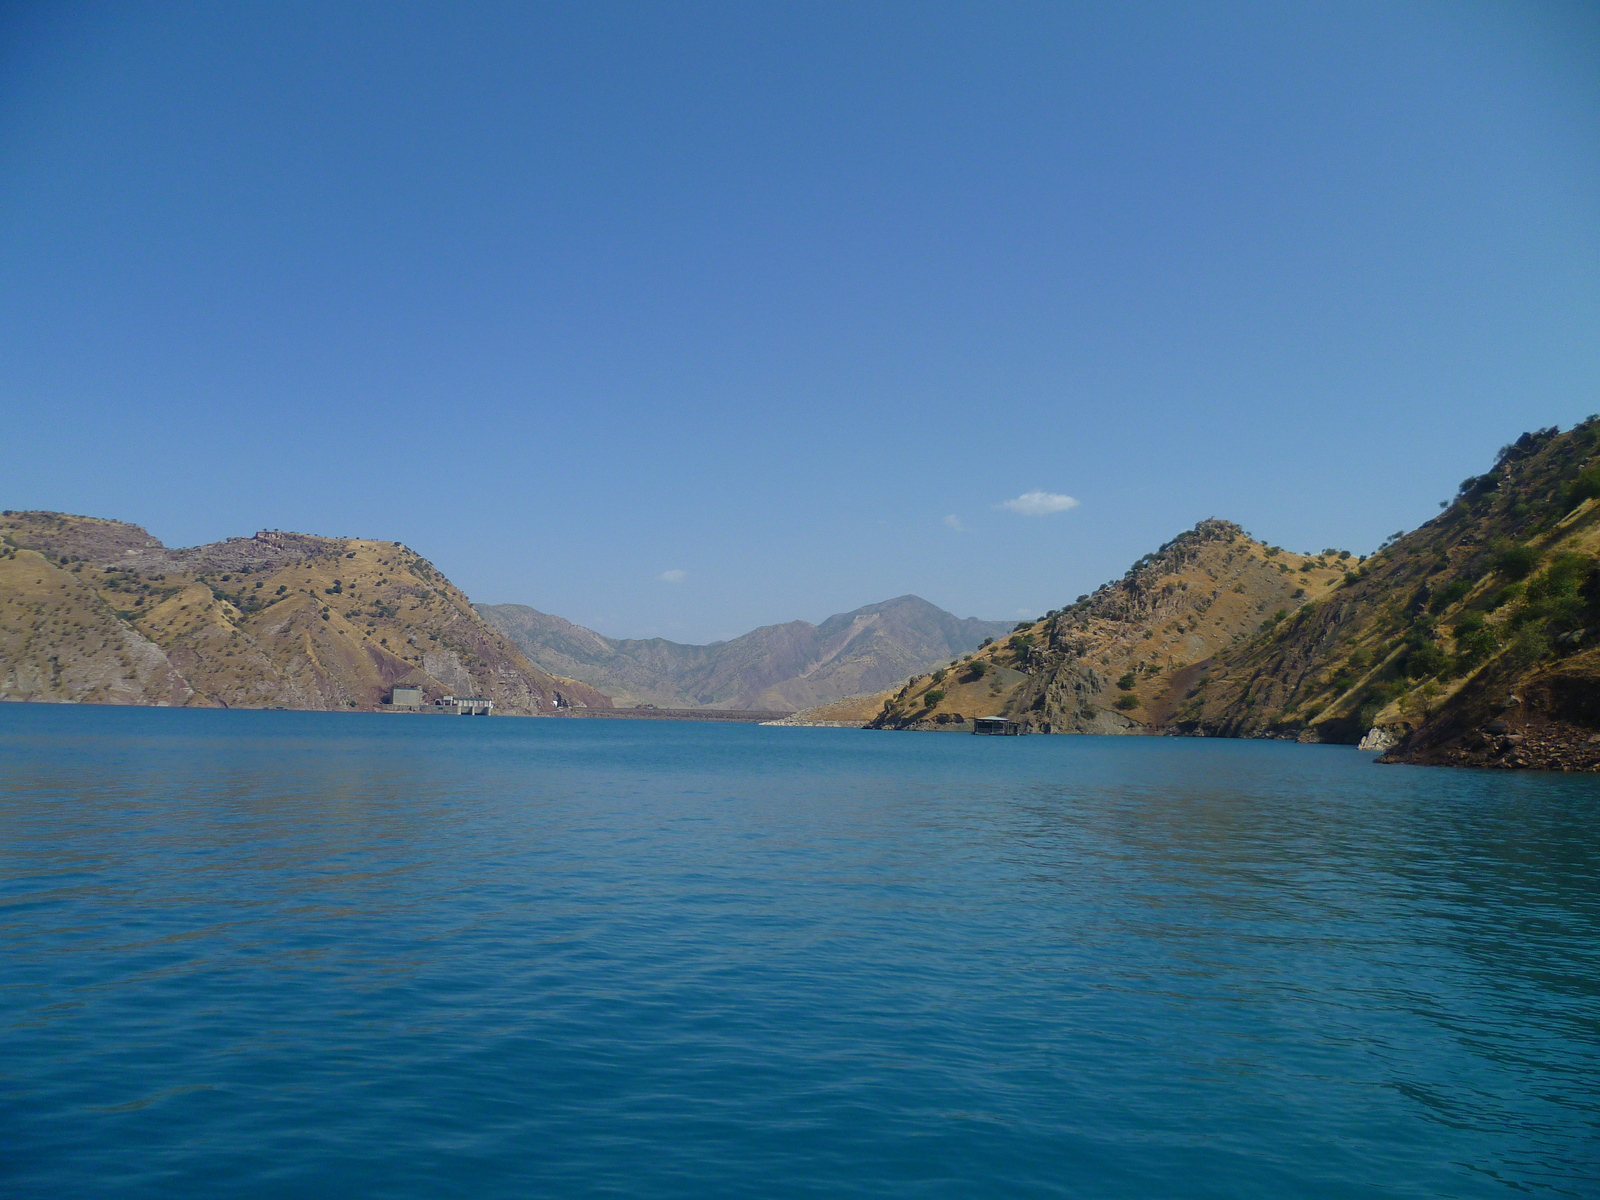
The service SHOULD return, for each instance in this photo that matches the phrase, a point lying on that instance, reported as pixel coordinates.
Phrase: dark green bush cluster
(1449, 594)
(1559, 605)
(1127, 703)
(1475, 641)
(1515, 562)
(1585, 487)
(1423, 659)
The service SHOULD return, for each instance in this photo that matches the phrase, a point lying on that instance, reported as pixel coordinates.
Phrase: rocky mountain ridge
(787, 666)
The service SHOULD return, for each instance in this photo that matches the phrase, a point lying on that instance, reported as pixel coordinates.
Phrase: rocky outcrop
(1378, 740)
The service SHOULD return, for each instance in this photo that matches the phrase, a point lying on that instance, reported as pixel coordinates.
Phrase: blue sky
(680, 319)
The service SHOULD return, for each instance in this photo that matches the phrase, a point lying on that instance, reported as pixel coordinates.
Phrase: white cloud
(1039, 504)
(955, 523)
(676, 575)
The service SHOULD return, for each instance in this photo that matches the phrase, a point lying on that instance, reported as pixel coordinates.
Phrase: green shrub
(1585, 487)
(938, 676)
(1529, 646)
(1126, 682)
(1424, 660)
(1563, 577)
(977, 670)
(1562, 598)
(1512, 591)
(1127, 703)
(1449, 594)
(1517, 562)
(1473, 645)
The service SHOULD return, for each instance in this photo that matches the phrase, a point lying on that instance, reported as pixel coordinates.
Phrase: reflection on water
(267, 954)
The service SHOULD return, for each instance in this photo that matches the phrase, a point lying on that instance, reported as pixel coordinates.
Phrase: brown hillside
(1116, 661)
(97, 611)
(1469, 640)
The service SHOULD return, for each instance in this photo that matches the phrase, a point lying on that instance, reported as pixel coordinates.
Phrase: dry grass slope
(96, 611)
(1469, 640)
(1116, 661)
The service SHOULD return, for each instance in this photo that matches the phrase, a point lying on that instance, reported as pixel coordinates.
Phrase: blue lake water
(297, 954)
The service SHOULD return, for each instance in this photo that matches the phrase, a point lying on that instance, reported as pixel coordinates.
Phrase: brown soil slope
(1118, 660)
(98, 611)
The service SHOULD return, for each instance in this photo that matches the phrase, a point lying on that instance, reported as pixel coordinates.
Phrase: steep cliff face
(1469, 640)
(1113, 661)
(97, 611)
(786, 666)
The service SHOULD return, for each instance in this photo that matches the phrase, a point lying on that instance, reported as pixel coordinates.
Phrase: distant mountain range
(789, 666)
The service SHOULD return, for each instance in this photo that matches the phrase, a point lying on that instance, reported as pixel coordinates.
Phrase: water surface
(297, 954)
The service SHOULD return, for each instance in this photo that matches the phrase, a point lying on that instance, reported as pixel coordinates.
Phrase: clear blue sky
(785, 301)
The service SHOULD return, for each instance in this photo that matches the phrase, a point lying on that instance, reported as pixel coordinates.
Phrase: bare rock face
(447, 668)
(96, 611)
(1378, 740)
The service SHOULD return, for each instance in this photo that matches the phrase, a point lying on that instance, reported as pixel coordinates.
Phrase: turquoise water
(295, 954)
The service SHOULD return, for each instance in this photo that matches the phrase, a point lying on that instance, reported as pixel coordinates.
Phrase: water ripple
(268, 954)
